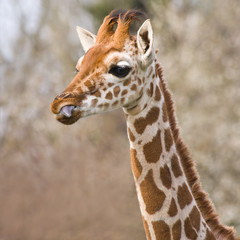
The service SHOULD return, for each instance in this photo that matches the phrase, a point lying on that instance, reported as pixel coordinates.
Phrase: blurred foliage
(74, 182)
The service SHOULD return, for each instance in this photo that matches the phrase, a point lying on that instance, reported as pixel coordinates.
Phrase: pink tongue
(67, 110)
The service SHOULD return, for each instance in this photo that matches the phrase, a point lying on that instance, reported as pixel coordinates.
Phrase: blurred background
(74, 182)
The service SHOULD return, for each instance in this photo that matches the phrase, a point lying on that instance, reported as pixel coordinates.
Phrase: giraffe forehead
(94, 59)
(118, 58)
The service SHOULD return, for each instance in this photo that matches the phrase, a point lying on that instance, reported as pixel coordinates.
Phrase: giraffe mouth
(68, 114)
(67, 110)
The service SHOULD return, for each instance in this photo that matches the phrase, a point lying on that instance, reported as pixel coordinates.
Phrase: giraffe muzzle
(69, 114)
(67, 108)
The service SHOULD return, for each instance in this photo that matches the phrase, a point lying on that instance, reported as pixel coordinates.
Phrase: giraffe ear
(87, 39)
(145, 43)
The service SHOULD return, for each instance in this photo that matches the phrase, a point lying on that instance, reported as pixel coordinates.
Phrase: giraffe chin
(69, 120)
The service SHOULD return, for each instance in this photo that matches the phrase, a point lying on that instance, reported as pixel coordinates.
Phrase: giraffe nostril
(67, 110)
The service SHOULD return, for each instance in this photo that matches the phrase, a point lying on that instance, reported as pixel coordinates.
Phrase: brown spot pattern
(136, 165)
(139, 81)
(109, 96)
(97, 94)
(133, 87)
(195, 218)
(175, 166)
(131, 136)
(152, 150)
(141, 123)
(124, 92)
(110, 84)
(94, 102)
(152, 195)
(184, 196)
(116, 91)
(115, 103)
(177, 230)
(150, 90)
(146, 229)
(189, 231)
(172, 211)
(106, 105)
(162, 230)
(157, 94)
(126, 82)
(165, 176)
(168, 139)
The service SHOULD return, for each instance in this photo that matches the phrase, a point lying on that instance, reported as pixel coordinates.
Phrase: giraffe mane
(205, 205)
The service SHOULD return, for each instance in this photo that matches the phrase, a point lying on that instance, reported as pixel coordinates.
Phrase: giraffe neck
(166, 198)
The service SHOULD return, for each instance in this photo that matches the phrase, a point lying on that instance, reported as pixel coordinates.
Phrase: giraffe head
(111, 74)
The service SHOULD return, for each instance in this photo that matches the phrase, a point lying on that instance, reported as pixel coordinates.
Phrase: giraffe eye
(119, 71)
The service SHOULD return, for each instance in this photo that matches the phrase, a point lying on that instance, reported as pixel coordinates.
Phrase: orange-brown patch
(106, 105)
(115, 103)
(139, 81)
(97, 94)
(189, 231)
(88, 84)
(150, 90)
(168, 139)
(116, 91)
(152, 195)
(172, 211)
(177, 230)
(195, 218)
(136, 165)
(141, 123)
(110, 84)
(157, 94)
(165, 176)
(94, 102)
(79, 89)
(126, 82)
(152, 150)
(184, 196)
(175, 166)
(162, 230)
(131, 136)
(124, 92)
(146, 229)
(134, 87)
(109, 95)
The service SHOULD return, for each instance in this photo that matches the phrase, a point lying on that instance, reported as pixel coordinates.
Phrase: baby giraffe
(120, 70)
